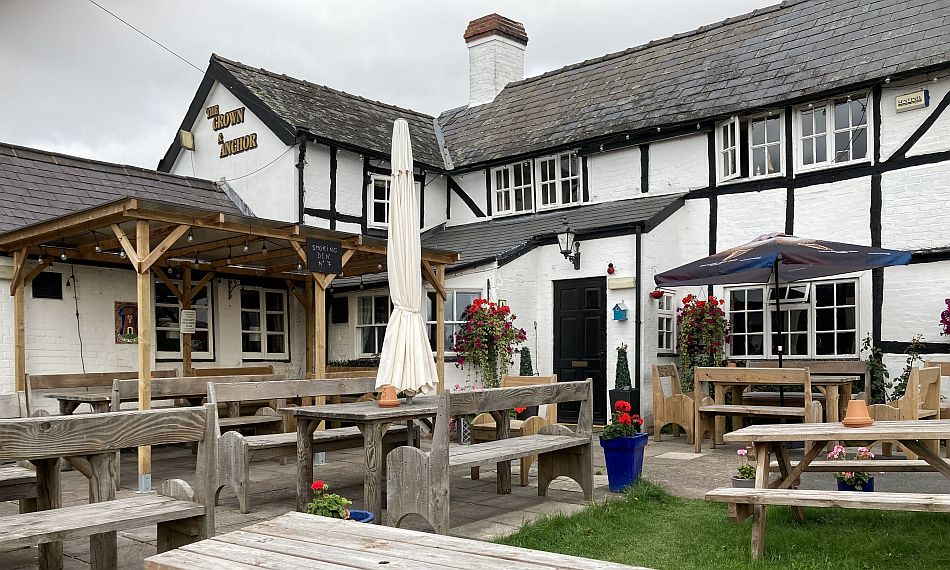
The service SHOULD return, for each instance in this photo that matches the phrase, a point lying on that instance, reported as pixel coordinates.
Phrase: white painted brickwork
(896, 127)
(316, 176)
(473, 184)
(913, 299)
(916, 202)
(6, 332)
(349, 183)
(614, 175)
(678, 165)
(493, 62)
(839, 211)
(743, 217)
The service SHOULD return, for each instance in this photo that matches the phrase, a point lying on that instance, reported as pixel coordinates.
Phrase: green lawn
(655, 529)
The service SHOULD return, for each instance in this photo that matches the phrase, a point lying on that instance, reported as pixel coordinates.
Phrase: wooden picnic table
(297, 540)
(100, 401)
(372, 422)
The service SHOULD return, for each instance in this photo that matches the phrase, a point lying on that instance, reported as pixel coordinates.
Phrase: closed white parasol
(406, 362)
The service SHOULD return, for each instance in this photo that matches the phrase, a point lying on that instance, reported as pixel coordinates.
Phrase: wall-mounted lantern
(570, 249)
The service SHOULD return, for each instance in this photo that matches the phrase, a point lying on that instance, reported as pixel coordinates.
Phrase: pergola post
(440, 328)
(311, 363)
(186, 337)
(144, 298)
(19, 314)
(319, 327)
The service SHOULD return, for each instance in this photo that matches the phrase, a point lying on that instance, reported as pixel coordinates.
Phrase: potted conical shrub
(623, 388)
(526, 368)
(623, 442)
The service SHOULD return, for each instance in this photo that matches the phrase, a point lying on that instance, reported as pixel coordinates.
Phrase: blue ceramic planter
(362, 516)
(865, 488)
(624, 456)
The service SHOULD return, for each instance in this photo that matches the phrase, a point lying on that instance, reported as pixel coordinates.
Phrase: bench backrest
(755, 376)
(11, 406)
(922, 392)
(192, 386)
(823, 368)
(943, 365)
(351, 372)
(289, 389)
(235, 371)
(68, 382)
(550, 412)
(661, 371)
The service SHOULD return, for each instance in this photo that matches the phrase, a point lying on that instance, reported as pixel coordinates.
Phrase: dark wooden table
(297, 540)
(373, 422)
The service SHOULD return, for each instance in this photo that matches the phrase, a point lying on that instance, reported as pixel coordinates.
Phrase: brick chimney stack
(495, 56)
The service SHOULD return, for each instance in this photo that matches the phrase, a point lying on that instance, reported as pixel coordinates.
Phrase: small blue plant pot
(624, 458)
(362, 516)
(865, 488)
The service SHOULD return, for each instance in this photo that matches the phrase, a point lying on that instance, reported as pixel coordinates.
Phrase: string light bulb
(246, 247)
(228, 260)
(264, 248)
(191, 237)
(62, 255)
(122, 253)
(299, 266)
(361, 283)
(98, 248)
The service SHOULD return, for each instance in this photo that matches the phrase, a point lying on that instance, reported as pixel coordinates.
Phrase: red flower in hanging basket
(656, 294)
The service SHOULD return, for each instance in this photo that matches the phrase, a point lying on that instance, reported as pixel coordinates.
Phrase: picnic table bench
(710, 414)
(770, 439)
(182, 514)
(236, 451)
(295, 540)
(73, 390)
(17, 483)
(418, 481)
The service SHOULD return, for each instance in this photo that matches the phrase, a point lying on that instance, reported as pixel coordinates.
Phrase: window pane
(773, 129)
(821, 149)
(364, 313)
(275, 322)
(821, 119)
(274, 301)
(845, 293)
(250, 299)
(842, 146)
(758, 162)
(756, 345)
(755, 322)
(845, 318)
(250, 321)
(381, 309)
(738, 346)
(808, 152)
(796, 292)
(825, 343)
(846, 343)
(368, 340)
(774, 158)
(379, 212)
(737, 300)
(167, 341)
(824, 319)
(738, 324)
(164, 295)
(251, 342)
(859, 144)
(275, 344)
(808, 118)
(841, 115)
(528, 199)
(201, 319)
(754, 299)
(858, 111)
(379, 190)
(462, 302)
(200, 342)
(166, 317)
(824, 295)
(758, 132)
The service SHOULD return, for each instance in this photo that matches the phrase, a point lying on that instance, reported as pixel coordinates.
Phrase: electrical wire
(82, 360)
(143, 34)
(289, 148)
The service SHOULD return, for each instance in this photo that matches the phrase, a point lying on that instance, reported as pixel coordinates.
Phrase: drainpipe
(301, 161)
(638, 317)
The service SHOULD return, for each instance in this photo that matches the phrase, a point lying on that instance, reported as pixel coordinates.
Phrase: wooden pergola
(151, 236)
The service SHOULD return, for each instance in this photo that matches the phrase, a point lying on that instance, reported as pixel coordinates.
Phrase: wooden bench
(798, 498)
(17, 483)
(944, 367)
(38, 384)
(743, 377)
(182, 514)
(236, 451)
(263, 370)
(418, 481)
(921, 401)
(822, 367)
(194, 389)
(484, 429)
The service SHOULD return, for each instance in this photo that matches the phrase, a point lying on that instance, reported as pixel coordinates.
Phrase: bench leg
(102, 487)
(475, 473)
(571, 463)
(48, 496)
(175, 534)
(526, 463)
(103, 553)
(758, 532)
(234, 468)
(28, 505)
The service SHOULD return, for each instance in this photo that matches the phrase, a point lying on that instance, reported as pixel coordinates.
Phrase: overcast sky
(75, 80)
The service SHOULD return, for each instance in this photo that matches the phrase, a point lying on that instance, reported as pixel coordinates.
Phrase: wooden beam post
(144, 299)
(440, 327)
(186, 338)
(19, 335)
(319, 327)
(311, 371)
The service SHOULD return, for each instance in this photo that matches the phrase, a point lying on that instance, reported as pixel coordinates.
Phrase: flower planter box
(624, 457)
(867, 487)
(632, 395)
(740, 483)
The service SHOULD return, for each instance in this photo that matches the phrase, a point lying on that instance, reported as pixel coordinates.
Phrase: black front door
(580, 341)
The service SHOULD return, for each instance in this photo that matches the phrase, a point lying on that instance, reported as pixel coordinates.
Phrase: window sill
(742, 179)
(667, 355)
(802, 169)
(276, 359)
(178, 359)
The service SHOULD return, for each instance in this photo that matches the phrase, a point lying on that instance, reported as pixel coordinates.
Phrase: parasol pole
(778, 310)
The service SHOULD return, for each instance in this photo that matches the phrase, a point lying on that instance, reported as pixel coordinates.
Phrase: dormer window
(378, 200)
(750, 147)
(513, 189)
(559, 180)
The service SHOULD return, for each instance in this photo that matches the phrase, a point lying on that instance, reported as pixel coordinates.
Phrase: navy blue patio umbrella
(768, 256)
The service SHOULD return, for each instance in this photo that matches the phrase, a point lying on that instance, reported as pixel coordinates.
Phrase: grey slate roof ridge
(319, 86)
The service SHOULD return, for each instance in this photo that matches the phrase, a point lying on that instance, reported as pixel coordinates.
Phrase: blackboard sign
(324, 256)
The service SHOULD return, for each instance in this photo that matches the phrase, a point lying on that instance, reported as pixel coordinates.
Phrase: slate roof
(505, 239)
(37, 185)
(773, 55)
(334, 115)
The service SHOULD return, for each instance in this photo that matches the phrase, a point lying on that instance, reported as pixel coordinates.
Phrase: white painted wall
(316, 177)
(473, 184)
(271, 192)
(744, 217)
(6, 328)
(839, 211)
(896, 127)
(614, 175)
(914, 209)
(434, 201)
(349, 188)
(679, 164)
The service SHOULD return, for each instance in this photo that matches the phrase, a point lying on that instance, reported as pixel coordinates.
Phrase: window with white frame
(378, 202)
(263, 323)
(750, 147)
(833, 132)
(372, 315)
(456, 302)
(168, 337)
(559, 180)
(512, 188)
(819, 319)
(665, 323)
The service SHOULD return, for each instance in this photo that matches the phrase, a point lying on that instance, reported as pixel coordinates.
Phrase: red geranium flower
(520, 410)
(625, 418)
(622, 406)
(318, 485)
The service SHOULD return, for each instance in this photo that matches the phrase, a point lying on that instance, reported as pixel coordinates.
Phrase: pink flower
(742, 452)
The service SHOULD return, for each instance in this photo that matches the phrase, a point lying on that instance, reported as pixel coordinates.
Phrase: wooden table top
(919, 429)
(421, 407)
(815, 381)
(298, 540)
(82, 397)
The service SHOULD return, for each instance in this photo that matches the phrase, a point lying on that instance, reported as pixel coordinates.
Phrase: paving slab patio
(477, 511)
